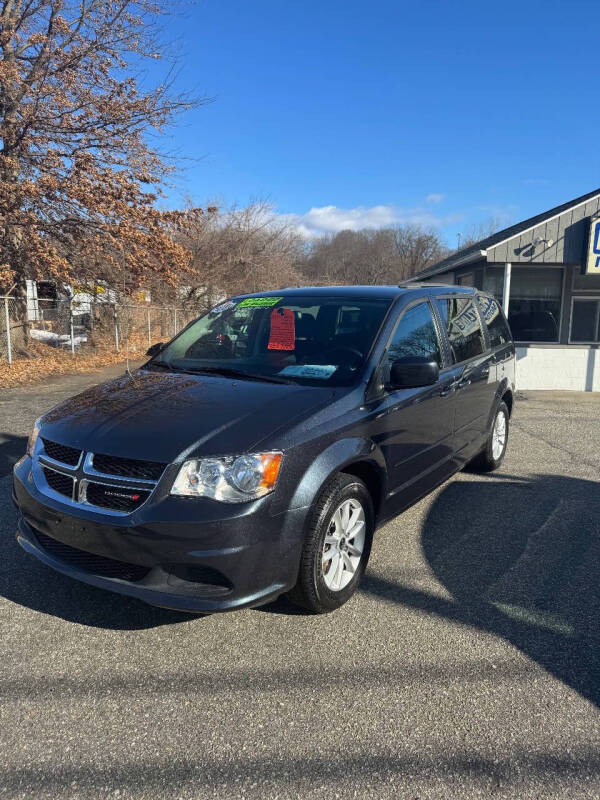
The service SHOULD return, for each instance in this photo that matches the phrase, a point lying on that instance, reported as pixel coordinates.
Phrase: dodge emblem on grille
(123, 495)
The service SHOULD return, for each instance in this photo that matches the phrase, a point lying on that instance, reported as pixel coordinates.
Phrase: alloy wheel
(343, 545)
(499, 435)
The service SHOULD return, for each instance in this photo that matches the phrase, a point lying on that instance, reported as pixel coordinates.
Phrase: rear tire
(492, 456)
(336, 547)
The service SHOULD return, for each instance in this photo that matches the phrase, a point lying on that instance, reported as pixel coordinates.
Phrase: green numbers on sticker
(259, 302)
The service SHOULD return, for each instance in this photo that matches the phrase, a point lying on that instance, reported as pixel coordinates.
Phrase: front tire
(337, 545)
(493, 454)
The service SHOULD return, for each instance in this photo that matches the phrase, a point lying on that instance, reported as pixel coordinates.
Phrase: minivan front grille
(128, 467)
(89, 562)
(61, 483)
(117, 484)
(117, 498)
(61, 452)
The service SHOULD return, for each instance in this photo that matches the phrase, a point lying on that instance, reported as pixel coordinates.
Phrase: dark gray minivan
(257, 452)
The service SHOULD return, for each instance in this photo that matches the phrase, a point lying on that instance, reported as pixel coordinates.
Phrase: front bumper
(187, 554)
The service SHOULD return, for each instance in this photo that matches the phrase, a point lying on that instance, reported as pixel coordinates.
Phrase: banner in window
(592, 264)
(466, 323)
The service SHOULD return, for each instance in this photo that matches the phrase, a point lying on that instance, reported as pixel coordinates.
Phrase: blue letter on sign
(597, 242)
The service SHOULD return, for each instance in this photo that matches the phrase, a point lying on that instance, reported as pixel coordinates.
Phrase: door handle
(447, 389)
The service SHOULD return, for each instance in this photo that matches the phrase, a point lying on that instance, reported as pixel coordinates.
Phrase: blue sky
(346, 114)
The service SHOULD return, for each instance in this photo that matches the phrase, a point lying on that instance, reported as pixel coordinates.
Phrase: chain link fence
(27, 325)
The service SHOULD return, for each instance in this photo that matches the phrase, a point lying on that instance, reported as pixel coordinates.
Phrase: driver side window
(415, 336)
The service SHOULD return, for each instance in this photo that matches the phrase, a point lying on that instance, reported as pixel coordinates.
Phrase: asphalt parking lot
(466, 667)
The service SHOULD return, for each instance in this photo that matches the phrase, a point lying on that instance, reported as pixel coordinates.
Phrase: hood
(160, 416)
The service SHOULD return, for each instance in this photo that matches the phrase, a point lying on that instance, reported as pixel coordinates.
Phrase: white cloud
(332, 219)
(434, 198)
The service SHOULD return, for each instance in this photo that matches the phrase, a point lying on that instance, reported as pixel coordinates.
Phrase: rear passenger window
(415, 335)
(461, 321)
(495, 321)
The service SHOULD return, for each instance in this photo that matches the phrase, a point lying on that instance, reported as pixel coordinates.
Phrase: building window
(534, 304)
(493, 282)
(585, 321)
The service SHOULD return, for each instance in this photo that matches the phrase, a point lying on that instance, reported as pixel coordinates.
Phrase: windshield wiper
(162, 365)
(229, 372)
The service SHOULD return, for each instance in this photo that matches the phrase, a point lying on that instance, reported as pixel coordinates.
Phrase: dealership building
(546, 273)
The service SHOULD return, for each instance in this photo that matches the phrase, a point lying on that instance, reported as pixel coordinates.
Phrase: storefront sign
(592, 264)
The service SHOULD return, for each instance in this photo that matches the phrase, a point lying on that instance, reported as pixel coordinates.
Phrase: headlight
(231, 479)
(33, 438)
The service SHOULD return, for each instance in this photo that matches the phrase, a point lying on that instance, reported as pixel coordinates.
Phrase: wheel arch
(356, 456)
(373, 479)
(507, 397)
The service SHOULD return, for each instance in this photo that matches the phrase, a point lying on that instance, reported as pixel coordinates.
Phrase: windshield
(311, 340)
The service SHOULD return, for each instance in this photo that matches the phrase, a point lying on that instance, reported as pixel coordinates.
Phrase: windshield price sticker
(320, 371)
(283, 330)
(259, 302)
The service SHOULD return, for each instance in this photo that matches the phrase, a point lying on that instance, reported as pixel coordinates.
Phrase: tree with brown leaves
(78, 177)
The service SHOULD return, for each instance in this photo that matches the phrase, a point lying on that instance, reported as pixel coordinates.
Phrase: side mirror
(155, 349)
(413, 371)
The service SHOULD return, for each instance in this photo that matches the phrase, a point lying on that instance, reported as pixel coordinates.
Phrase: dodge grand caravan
(256, 453)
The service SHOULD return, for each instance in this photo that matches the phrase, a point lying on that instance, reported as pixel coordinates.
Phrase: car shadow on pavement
(11, 449)
(521, 559)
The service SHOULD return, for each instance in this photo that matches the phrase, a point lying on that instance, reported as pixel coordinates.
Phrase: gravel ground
(466, 667)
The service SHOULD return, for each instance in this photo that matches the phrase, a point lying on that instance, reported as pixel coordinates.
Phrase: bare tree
(387, 255)
(238, 250)
(417, 248)
(475, 233)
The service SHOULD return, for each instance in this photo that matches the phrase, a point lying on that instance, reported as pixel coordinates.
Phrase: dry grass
(44, 361)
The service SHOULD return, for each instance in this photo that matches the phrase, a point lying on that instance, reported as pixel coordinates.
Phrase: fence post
(71, 327)
(174, 322)
(149, 333)
(116, 328)
(8, 347)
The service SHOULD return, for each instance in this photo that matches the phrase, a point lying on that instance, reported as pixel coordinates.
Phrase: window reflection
(415, 336)
(462, 324)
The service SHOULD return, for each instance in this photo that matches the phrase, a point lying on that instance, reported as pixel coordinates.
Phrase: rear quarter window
(494, 319)
(461, 321)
